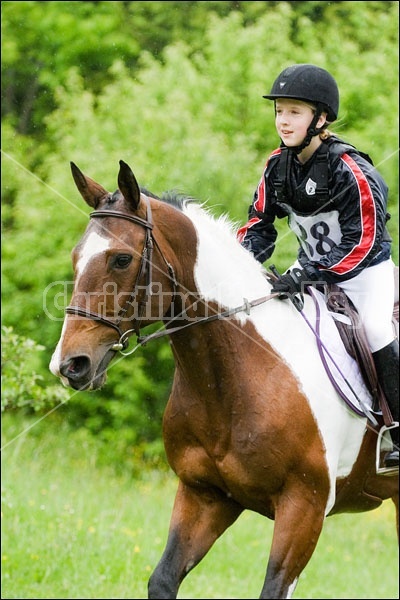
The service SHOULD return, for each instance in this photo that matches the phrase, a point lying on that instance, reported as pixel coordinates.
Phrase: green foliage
(174, 89)
(22, 386)
(40, 43)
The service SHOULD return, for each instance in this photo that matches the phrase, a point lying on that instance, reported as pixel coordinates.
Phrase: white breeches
(372, 293)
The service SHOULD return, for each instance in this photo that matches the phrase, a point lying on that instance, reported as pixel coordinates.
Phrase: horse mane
(178, 200)
(225, 270)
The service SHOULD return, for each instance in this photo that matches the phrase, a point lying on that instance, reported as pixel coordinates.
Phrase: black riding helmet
(310, 84)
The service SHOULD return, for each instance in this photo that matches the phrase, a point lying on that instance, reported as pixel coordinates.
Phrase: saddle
(355, 342)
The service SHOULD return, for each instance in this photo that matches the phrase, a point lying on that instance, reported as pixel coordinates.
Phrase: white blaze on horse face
(56, 358)
(94, 244)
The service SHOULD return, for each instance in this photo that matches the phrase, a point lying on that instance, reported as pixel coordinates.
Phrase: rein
(145, 269)
(245, 307)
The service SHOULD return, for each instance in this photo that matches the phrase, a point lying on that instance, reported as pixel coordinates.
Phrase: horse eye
(122, 261)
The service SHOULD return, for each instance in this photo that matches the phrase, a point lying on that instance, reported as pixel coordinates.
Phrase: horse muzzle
(80, 373)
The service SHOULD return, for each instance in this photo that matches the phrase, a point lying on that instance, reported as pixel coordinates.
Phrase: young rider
(335, 202)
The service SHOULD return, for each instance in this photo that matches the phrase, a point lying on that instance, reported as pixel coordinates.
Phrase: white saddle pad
(342, 369)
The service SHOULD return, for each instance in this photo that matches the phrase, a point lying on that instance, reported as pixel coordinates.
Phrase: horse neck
(175, 236)
(202, 356)
(208, 263)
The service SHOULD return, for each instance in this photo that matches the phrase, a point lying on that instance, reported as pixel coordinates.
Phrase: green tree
(41, 41)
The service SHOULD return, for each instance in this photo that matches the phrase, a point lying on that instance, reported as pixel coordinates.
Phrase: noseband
(145, 270)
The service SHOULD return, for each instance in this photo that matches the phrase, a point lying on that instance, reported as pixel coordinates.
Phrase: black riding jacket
(335, 204)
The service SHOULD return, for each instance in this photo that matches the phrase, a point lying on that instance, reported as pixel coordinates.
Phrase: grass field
(73, 529)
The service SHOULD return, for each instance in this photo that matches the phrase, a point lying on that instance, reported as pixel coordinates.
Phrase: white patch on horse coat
(227, 273)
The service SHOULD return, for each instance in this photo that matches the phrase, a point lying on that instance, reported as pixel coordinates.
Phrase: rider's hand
(290, 283)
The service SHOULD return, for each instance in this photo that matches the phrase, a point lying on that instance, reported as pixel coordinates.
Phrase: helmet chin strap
(311, 131)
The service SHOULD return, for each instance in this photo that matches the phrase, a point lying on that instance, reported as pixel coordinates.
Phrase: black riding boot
(387, 367)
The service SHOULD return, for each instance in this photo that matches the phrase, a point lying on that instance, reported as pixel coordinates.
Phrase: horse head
(114, 291)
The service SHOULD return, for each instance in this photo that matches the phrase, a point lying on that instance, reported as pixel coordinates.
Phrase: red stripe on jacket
(259, 204)
(368, 222)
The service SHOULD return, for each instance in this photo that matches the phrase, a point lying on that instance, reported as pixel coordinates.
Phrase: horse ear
(128, 186)
(90, 191)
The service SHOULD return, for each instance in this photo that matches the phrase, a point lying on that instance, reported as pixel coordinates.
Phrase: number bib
(317, 234)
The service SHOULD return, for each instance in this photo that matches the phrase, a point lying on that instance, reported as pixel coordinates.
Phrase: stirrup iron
(382, 470)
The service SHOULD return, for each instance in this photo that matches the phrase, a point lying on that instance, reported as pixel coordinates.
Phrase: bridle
(145, 271)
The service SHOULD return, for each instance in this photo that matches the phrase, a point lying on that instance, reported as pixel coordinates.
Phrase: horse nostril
(75, 367)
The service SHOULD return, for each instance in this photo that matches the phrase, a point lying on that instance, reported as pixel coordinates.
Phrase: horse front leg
(199, 517)
(299, 518)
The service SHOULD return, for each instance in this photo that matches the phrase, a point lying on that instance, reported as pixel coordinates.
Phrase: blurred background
(175, 90)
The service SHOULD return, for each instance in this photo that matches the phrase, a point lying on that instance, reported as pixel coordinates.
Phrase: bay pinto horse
(253, 421)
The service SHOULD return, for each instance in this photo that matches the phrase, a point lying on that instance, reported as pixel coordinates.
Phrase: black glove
(290, 283)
